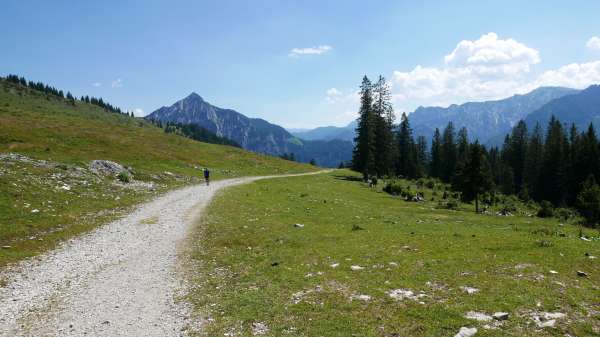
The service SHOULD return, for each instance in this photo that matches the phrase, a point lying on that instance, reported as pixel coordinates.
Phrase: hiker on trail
(206, 175)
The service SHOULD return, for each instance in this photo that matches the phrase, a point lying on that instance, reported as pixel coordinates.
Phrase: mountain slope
(484, 119)
(328, 133)
(48, 191)
(581, 108)
(253, 134)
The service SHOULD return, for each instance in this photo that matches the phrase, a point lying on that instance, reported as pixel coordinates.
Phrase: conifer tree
(363, 156)
(533, 162)
(553, 174)
(473, 176)
(383, 114)
(435, 167)
(448, 153)
(406, 164)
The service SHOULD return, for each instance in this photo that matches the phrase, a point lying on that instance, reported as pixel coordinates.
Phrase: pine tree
(474, 176)
(422, 155)
(533, 162)
(363, 157)
(448, 154)
(383, 114)
(517, 148)
(406, 164)
(463, 145)
(436, 168)
(553, 173)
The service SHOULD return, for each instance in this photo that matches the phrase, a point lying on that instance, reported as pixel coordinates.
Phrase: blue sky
(299, 63)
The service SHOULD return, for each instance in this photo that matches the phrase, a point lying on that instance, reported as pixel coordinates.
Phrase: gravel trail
(121, 279)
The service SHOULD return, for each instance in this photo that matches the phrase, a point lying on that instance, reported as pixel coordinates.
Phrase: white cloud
(593, 43)
(490, 55)
(96, 84)
(310, 51)
(574, 75)
(118, 83)
(484, 69)
(138, 112)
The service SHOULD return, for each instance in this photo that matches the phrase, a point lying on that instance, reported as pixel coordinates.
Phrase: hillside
(252, 134)
(581, 109)
(49, 192)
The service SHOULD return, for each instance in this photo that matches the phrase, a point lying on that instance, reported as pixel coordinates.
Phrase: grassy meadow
(365, 263)
(50, 195)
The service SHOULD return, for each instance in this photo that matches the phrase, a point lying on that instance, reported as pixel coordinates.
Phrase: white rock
(500, 316)
(469, 290)
(335, 265)
(466, 332)
(553, 272)
(259, 328)
(299, 225)
(478, 316)
(364, 298)
(356, 268)
(35, 210)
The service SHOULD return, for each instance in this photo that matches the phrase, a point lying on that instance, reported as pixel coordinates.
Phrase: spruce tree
(448, 154)
(517, 151)
(435, 167)
(406, 164)
(473, 176)
(534, 158)
(553, 173)
(383, 115)
(363, 156)
(463, 145)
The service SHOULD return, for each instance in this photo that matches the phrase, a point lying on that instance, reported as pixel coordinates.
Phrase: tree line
(49, 90)
(193, 131)
(559, 165)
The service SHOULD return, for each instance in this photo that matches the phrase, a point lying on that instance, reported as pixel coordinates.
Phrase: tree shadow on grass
(348, 178)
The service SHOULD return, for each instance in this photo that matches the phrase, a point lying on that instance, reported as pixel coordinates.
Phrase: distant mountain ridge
(581, 109)
(328, 133)
(253, 134)
(484, 120)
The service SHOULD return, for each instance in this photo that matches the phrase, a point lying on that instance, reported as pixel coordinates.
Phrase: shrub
(430, 183)
(124, 177)
(449, 204)
(546, 209)
(588, 201)
(565, 213)
(393, 188)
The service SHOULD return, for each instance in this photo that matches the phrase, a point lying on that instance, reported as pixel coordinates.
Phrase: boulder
(106, 167)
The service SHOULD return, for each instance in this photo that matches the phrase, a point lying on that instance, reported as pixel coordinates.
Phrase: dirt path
(119, 280)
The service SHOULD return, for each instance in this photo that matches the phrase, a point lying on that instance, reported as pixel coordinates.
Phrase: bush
(394, 188)
(449, 204)
(509, 204)
(588, 201)
(546, 210)
(124, 177)
(565, 213)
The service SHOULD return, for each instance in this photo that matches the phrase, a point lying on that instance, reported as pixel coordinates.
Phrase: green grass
(68, 137)
(252, 265)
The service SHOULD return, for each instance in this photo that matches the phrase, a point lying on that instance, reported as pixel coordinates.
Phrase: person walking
(206, 176)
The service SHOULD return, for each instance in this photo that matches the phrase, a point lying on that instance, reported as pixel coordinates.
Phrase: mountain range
(487, 122)
(253, 134)
(490, 121)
